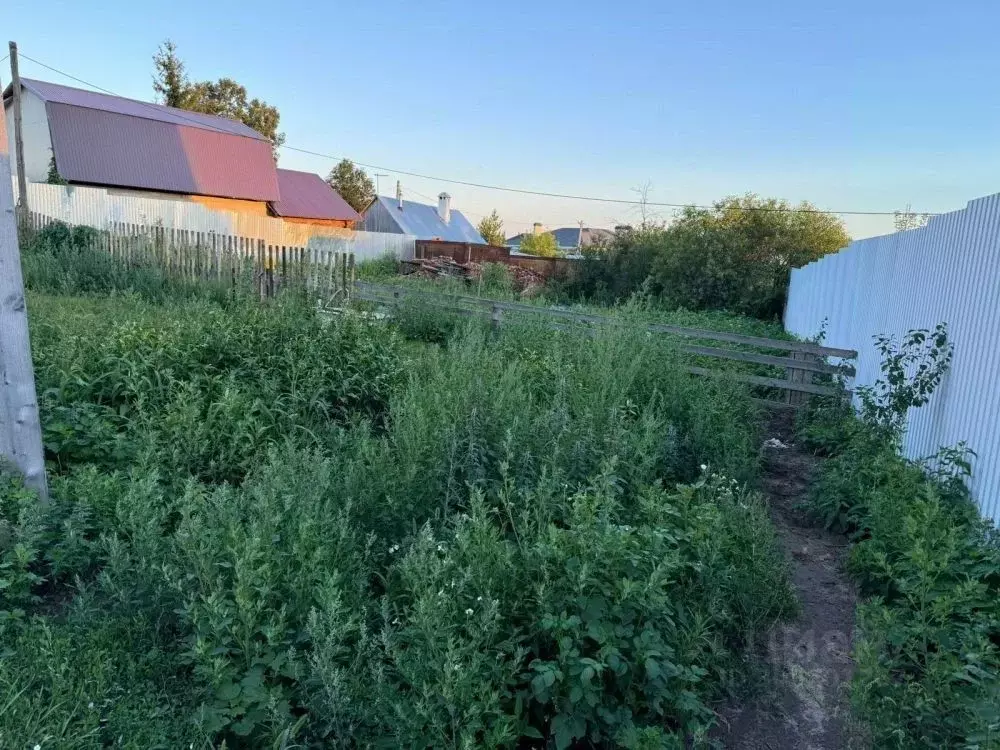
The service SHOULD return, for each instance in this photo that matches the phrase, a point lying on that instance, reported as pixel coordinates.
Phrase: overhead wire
(485, 186)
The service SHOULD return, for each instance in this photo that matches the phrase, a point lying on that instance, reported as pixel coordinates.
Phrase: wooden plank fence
(805, 359)
(232, 260)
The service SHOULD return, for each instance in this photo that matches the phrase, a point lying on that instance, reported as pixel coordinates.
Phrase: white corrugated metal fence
(947, 271)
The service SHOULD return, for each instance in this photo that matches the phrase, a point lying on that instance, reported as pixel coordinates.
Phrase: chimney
(399, 194)
(444, 207)
(537, 228)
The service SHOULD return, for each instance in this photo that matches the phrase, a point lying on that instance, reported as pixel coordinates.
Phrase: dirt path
(802, 701)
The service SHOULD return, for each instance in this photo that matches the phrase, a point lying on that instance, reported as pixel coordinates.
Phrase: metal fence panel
(946, 271)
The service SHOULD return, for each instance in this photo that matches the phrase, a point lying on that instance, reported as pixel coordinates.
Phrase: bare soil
(801, 700)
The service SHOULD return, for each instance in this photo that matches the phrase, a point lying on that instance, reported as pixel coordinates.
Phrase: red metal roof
(305, 195)
(56, 93)
(106, 140)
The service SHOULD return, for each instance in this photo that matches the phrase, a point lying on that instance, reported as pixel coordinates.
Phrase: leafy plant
(911, 370)
(322, 535)
(928, 660)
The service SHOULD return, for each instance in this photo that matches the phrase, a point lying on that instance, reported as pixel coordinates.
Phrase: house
(130, 147)
(441, 222)
(307, 199)
(570, 240)
(136, 147)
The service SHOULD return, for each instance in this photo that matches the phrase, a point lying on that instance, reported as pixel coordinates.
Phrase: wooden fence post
(797, 398)
(20, 428)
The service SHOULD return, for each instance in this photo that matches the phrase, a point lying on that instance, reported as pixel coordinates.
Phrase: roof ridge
(182, 114)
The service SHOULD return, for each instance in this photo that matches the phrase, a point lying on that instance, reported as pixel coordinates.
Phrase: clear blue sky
(858, 105)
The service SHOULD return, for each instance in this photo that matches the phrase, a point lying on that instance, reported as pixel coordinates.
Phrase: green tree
(491, 228)
(53, 177)
(735, 256)
(739, 254)
(542, 244)
(170, 80)
(225, 97)
(353, 184)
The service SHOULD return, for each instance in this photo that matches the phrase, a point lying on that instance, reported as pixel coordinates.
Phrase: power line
(484, 186)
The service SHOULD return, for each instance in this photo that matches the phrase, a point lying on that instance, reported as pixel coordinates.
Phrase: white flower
(703, 467)
(440, 548)
(468, 612)
(479, 598)
(38, 747)
(393, 549)
(90, 705)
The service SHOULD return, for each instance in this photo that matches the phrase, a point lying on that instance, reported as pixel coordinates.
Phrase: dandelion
(468, 612)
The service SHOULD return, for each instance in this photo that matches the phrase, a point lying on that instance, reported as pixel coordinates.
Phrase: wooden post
(798, 398)
(22, 181)
(20, 428)
(351, 279)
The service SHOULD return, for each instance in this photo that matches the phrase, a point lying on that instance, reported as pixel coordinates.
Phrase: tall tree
(491, 228)
(170, 80)
(225, 97)
(353, 184)
(903, 220)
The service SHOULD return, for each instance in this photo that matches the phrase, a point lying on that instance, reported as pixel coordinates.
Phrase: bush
(378, 269)
(928, 659)
(418, 320)
(59, 259)
(736, 256)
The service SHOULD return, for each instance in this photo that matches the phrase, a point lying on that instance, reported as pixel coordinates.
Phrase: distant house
(307, 199)
(441, 222)
(130, 147)
(570, 240)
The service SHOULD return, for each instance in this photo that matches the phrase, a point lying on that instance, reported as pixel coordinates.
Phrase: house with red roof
(131, 147)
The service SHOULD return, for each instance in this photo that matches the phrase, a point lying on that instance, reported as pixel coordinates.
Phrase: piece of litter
(775, 443)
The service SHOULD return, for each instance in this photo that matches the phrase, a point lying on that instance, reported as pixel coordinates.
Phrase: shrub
(378, 269)
(928, 659)
(496, 280)
(420, 321)
(59, 259)
(736, 256)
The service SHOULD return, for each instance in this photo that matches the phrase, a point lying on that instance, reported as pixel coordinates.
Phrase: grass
(268, 530)
(501, 290)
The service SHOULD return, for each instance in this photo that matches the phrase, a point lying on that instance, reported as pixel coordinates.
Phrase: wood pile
(445, 267)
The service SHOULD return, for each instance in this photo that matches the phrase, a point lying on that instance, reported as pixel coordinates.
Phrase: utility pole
(22, 181)
(376, 175)
(20, 429)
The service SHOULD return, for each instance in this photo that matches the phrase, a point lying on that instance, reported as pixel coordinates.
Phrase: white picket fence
(947, 271)
(103, 209)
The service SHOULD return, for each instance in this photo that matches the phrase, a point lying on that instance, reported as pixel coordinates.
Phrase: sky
(853, 106)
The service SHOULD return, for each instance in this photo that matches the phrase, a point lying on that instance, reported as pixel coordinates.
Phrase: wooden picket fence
(207, 256)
